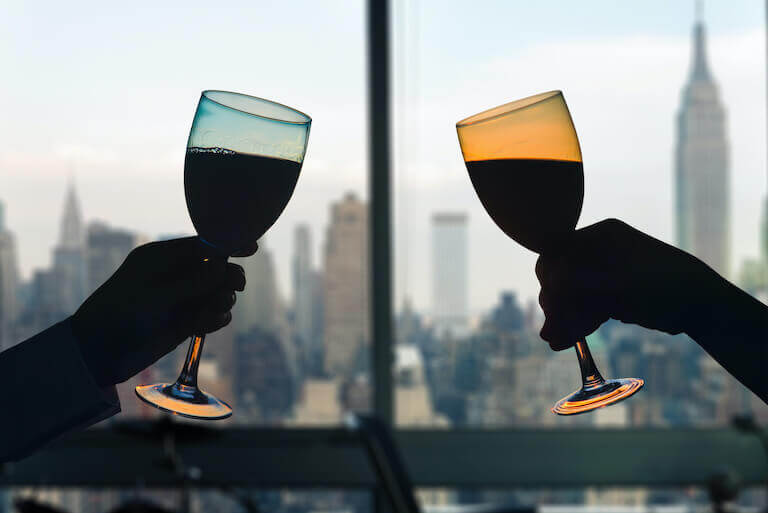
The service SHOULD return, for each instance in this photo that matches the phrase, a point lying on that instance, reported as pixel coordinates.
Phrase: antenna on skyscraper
(71, 175)
(699, 11)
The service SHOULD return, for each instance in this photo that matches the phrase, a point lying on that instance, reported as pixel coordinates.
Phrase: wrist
(708, 294)
(88, 354)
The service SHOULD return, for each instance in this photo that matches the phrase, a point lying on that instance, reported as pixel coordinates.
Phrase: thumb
(194, 282)
(557, 337)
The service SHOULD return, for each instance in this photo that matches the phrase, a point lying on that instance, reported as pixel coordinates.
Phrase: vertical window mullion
(380, 214)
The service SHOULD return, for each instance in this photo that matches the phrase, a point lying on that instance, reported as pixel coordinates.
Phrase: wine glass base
(588, 399)
(190, 402)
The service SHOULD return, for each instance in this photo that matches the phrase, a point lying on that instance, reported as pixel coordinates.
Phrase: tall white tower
(701, 165)
(449, 273)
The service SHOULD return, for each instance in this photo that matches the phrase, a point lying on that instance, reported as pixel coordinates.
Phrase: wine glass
(243, 159)
(525, 164)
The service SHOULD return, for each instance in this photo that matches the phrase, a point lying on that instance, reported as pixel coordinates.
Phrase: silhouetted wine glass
(243, 159)
(525, 163)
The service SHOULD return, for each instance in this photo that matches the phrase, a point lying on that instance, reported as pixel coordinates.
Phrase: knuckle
(140, 251)
(613, 224)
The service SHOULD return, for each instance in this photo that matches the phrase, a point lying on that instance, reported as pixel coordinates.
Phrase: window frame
(275, 458)
(455, 458)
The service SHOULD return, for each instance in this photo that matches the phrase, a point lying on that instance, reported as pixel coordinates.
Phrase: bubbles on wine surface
(214, 151)
(233, 198)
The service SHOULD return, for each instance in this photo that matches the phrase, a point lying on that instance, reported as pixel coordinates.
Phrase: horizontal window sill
(334, 457)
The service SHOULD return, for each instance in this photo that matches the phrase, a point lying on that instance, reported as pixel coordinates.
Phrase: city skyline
(93, 167)
(621, 72)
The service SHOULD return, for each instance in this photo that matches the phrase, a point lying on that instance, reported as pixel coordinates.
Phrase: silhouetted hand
(611, 270)
(161, 294)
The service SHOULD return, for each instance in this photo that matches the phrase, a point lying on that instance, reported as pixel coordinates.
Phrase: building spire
(72, 234)
(700, 66)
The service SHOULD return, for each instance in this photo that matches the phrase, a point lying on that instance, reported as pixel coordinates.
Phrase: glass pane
(230, 500)
(468, 346)
(97, 114)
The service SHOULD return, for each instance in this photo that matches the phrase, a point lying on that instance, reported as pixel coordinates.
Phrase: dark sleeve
(733, 329)
(48, 391)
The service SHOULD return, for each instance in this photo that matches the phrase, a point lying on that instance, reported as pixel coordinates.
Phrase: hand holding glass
(243, 159)
(524, 161)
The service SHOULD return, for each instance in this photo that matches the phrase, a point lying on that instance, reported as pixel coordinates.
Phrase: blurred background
(669, 100)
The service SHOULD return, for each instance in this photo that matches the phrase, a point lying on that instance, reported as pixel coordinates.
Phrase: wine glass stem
(590, 376)
(188, 374)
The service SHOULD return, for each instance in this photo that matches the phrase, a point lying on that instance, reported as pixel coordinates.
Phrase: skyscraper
(701, 165)
(346, 286)
(8, 282)
(449, 273)
(303, 284)
(307, 303)
(265, 377)
(107, 248)
(259, 304)
(256, 349)
(69, 256)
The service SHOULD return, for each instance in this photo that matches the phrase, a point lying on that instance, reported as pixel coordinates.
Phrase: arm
(64, 378)
(733, 329)
(611, 270)
(49, 391)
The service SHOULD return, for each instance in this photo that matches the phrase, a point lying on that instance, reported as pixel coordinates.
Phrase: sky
(104, 96)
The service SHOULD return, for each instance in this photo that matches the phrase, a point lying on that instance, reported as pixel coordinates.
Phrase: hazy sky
(106, 94)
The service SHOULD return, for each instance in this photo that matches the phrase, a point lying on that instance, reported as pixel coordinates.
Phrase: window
(642, 83)
(97, 111)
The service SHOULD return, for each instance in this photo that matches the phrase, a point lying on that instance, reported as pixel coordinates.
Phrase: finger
(553, 334)
(194, 284)
(553, 270)
(600, 234)
(219, 302)
(235, 277)
(247, 251)
(543, 301)
(209, 322)
(564, 325)
(558, 290)
(540, 268)
(173, 254)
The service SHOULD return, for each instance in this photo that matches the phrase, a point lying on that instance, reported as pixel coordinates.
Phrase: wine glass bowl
(244, 155)
(524, 161)
(243, 159)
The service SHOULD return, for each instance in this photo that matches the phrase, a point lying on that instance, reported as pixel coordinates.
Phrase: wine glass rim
(301, 118)
(506, 108)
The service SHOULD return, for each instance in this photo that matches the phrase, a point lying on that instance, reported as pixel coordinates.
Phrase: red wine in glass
(525, 164)
(244, 155)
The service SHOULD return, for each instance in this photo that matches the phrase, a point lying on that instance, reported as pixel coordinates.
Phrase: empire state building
(701, 165)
